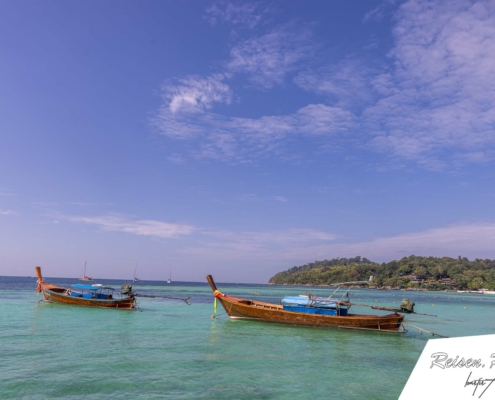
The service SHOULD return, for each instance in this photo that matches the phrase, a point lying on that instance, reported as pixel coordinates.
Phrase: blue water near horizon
(169, 350)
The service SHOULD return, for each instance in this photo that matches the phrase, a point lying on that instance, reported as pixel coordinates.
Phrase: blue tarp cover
(304, 301)
(316, 310)
(296, 300)
(88, 287)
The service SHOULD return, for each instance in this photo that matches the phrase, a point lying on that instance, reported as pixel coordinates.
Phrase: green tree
(476, 283)
(404, 270)
(421, 272)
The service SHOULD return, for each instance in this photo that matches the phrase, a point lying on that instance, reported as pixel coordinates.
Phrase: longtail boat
(323, 312)
(86, 295)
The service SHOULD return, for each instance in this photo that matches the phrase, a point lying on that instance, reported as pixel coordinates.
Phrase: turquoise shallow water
(169, 350)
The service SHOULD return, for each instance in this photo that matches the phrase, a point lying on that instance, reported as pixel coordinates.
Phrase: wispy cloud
(7, 194)
(8, 212)
(440, 97)
(247, 14)
(300, 245)
(193, 93)
(467, 239)
(285, 237)
(256, 244)
(374, 14)
(244, 139)
(266, 60)
(378, 13)
(470, 239)
(119, 223)
(433, 105)
(269, 58)
(203, 241)
(346, 83)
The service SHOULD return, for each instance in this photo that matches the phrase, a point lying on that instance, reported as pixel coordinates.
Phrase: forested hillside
(427, 272)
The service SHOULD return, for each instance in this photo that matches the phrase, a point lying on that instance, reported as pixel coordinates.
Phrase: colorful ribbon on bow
(38, 289)
(217, 294)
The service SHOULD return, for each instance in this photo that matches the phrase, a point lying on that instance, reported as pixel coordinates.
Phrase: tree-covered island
(430, 273)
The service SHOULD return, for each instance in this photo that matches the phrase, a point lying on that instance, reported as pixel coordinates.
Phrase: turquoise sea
(169, 350)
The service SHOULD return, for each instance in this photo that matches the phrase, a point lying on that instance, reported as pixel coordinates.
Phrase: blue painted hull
(317, 310)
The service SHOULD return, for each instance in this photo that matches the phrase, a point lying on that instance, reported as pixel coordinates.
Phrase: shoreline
(388, 288)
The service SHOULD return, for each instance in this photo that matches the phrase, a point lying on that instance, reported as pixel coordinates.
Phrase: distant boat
(136, 279)
(170, 279)
(80, 294)
(303, 310)
(85, 277)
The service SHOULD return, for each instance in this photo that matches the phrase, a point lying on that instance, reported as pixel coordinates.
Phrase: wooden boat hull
(239, 308)
(55, 296)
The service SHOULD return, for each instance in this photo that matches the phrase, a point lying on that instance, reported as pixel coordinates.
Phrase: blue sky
(243, 138)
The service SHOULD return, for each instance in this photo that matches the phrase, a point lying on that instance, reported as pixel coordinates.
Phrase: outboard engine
(407, 306)
(126, 289)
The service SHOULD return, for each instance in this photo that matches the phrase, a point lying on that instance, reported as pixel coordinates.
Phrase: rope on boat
(218, 315)
(224, 312)
(396, 310)
(424, 330)
(164, 297)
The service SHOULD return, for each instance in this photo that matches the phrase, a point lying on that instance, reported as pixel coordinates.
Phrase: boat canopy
(87, 287)
(90, 287)
(309, 302)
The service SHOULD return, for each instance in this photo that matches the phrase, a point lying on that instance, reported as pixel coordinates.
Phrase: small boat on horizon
(136, 279)
(309, 311)
(84, 276)
(86, 295)
(169, 280)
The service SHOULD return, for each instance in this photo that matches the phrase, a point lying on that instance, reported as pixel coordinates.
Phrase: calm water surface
(169, 350)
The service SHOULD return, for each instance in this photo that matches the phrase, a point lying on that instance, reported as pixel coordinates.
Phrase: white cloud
(347, 83)
(256, 244)
(185, 113)
(441, 96)
(248, 14)
(193, 94)
(118, 223)
(300, 245)
(218, 243)
(435, 106)
(285, 237)
(374, 14)
(8, 212)
(303, 244)
(244, 139)
(269, 58)
(471, 239)
(378, 13)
